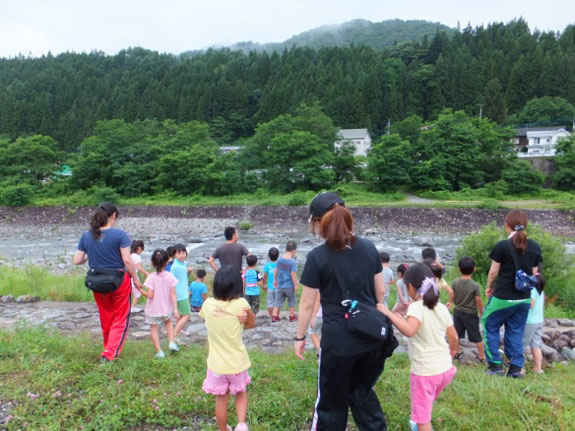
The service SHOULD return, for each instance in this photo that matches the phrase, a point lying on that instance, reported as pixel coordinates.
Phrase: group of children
(427, 323)
(417, 313)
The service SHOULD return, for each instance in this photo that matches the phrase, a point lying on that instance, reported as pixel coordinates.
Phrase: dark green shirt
(464, 293)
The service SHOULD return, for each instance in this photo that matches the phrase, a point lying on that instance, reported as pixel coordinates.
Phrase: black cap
(323, 202)
(415, 275)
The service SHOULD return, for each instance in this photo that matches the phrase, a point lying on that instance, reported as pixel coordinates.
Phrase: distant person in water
(231, 252)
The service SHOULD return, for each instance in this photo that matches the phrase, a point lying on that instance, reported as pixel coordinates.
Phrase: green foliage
(558, 266)
(245, 225)
(103, 194)
(521, 178)
(387, 170)
(547, 110)
(564, 178)
(17, 196)
(297, 200)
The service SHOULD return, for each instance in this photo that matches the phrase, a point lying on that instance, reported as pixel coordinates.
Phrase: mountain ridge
(378, 35)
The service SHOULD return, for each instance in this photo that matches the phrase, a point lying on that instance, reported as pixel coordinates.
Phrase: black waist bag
(104, 280)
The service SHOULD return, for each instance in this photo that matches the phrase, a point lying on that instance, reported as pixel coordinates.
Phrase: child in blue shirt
(268, 281)
(285, 279)
(252, 281)
(180, 270)
(198, 291)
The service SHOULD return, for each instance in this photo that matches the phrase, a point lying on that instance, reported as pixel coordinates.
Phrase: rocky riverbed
(48, 236)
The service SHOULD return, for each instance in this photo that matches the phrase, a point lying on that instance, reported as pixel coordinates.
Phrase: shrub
(245, 225)
(297, 200)
(558, 266)
(103, 194)
(17, 196)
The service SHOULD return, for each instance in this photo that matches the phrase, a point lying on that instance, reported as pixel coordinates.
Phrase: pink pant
(221, 384)
(424, 391)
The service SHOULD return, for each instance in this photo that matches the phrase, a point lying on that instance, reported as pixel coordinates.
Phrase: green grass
(37, 281)
(56, 384)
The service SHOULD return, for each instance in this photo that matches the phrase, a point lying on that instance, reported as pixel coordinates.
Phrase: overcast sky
(39, 26)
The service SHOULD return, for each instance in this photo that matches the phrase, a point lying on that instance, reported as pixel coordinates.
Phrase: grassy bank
(34, 280)
(355, 194)
(56, 384)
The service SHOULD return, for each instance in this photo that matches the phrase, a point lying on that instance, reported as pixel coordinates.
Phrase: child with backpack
(227, 314)
(428, 322)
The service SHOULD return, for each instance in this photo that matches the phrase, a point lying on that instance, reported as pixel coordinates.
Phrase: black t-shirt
(505, 284)
(357, 266)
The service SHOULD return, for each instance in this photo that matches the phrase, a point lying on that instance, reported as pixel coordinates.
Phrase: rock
(140, 334)
(196, 328)
(564, 337)
(559, 344)
(572, 342)
(557, 357)
(565, 322)
(7, 298)
(554, 334)
(546, 338)
(82, 315)
(25, 299)
(547, 351)
(570, 333)
(423, 241)
(568, 353)
(201, 260)
(67, 326)
(552, 323)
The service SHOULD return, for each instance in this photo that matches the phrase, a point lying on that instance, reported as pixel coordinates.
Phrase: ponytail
(517, 221)
(336, 227)
(100, 218)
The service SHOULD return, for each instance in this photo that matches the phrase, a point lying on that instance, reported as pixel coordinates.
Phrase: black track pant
(344, 382)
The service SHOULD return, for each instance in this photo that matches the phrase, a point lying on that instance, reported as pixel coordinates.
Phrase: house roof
(353, 133)
(522, 131)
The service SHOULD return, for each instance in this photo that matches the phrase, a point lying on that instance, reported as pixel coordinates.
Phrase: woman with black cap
(349, 365)
(107, 249)
(507, 305)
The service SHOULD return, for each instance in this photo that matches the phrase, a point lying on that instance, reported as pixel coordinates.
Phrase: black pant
(347, 381)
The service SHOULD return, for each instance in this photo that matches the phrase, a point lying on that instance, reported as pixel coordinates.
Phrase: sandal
(458, 355)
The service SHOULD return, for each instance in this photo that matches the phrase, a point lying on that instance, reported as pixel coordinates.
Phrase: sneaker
(293, 318)
(173, 347)
(514, 371)
(495, 370)
(276, 318)
(412, 426)
(160, 355)
(242, 426)
(135, 310)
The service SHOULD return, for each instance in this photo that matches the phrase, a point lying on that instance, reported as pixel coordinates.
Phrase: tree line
(496, 69)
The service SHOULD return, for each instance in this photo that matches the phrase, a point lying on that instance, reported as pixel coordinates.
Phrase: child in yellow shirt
(227, 314)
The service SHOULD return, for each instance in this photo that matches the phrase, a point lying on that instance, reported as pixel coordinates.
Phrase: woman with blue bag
(514, 263)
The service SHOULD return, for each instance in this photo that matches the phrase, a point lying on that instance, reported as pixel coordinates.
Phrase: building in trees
(360, 139)
(538, 141)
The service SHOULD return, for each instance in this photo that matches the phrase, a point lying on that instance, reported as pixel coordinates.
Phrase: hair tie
(428, 283)
(518, 227)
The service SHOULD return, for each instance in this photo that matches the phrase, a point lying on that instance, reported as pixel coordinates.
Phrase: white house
(359, 138)
(539, 141)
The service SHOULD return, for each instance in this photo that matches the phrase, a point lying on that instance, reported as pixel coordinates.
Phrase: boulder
(423, 241)
(568, 353)
(564, 337)
(7, 298)
(572, 342)
(25, 299)
(547, 351)
(559, 344)
(546, 338)
(551, 323)
(565, 322)
(553, 334)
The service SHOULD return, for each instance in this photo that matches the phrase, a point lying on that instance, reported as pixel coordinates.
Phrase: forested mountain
(378, 35)
(500, 67)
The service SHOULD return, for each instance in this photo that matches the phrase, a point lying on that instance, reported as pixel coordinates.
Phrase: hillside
(378, 35)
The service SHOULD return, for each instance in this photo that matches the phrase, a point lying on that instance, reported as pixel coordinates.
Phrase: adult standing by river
(107, 251)
(229, 253)
(349, 365)
(507, 305)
